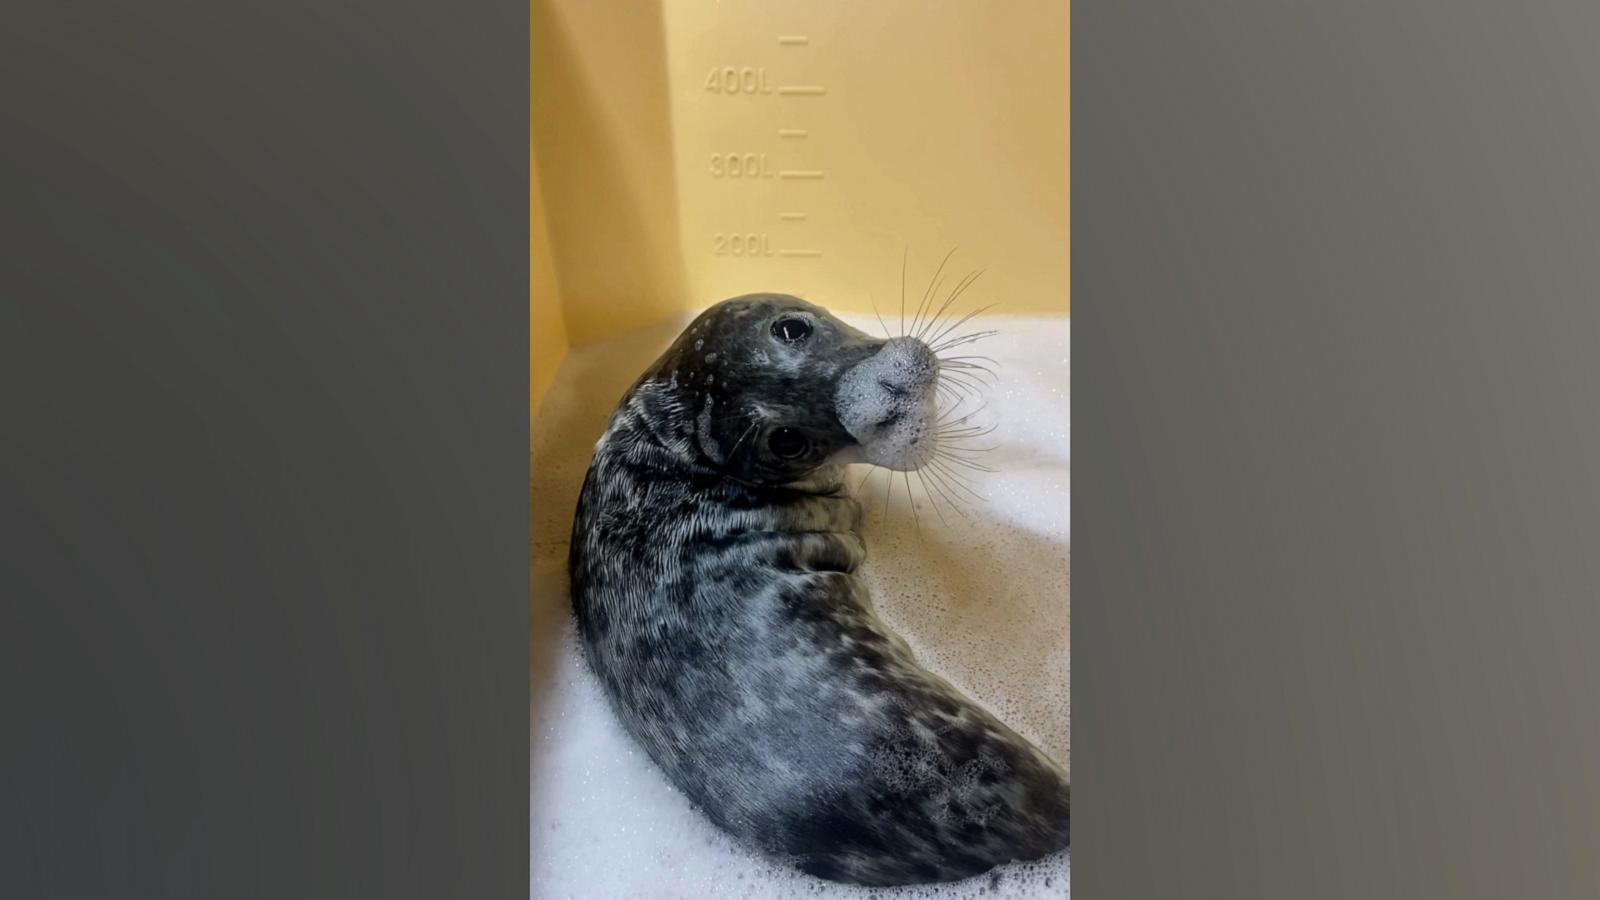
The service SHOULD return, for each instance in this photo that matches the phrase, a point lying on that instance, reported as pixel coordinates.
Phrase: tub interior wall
(692, 150)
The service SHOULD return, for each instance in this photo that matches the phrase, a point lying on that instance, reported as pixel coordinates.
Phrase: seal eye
(787, 443)
(791, 330)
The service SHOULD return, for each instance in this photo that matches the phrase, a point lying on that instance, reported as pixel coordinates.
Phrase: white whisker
(940, 336)
(928, 326)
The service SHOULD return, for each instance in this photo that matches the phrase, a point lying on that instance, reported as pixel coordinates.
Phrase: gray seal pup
(712, 571)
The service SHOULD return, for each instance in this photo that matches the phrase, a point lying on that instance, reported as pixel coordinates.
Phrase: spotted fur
(715, 592)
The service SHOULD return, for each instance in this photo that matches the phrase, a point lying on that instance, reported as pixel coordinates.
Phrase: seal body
(713, 570)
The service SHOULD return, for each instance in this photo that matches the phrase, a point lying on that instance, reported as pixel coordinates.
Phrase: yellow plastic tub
(686, 151)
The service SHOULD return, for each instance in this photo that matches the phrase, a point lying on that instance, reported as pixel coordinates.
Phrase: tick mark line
(792, 217)
(792, 132)
(802, 89)
(798, 173)
(799, 252)
(793, 39)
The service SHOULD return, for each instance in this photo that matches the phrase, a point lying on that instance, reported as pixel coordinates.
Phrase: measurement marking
(792, 217)
(799, 252)
(791, 39)
(801, 89)
(792, 132)
(798, 173)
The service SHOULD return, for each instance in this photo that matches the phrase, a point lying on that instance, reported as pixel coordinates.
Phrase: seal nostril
(893, 390)
(889, 420)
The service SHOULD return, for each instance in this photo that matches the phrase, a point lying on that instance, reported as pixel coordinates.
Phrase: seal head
(767, 387)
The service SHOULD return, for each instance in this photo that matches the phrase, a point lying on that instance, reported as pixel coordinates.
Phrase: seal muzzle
(886, 402)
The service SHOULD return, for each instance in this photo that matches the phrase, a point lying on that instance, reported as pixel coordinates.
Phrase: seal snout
(886, 403)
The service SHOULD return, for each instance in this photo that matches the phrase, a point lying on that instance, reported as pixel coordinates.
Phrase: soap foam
(982, 598)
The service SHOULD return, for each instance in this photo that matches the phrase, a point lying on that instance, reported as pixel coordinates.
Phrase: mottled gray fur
(713, 579)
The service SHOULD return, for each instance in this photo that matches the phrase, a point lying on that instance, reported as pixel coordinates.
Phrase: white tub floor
(983, 600)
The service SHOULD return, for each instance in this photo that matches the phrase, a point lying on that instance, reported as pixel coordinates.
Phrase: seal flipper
(933, 805)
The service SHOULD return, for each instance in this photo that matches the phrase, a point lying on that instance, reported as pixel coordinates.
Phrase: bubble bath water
(980, 593)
